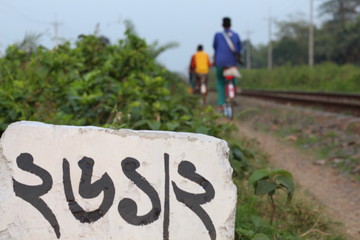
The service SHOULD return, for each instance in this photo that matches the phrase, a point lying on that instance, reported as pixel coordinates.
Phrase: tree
(341, 11)
(289, 51)
(259, 56)
(338, 38)
(291, 46)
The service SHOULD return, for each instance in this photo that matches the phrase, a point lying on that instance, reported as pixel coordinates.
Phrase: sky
(187, 22)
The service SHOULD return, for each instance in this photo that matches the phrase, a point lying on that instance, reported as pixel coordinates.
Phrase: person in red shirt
(199, 67)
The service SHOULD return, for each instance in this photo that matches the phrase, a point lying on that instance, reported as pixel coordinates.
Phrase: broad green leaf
(202, 129)
(88, 76)
(245, 232)
(281, 172)
(236, 165)
(261, 236)
(264, 187)
(288, 183)
(257, 221)
(172, 125)
(185, 118)
(19, 84)
(154, 125)
(257, 175)
(238, 155)
(139, 124)
(135, 104)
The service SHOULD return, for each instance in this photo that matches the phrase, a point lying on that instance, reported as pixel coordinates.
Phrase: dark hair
(226, 22)
(200, 48)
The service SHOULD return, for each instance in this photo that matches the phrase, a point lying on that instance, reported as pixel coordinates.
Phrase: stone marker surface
(67, 182)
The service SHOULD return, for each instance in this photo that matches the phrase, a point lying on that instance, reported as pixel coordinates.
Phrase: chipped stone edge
(6, 173)
(224, 154)
(149, 134)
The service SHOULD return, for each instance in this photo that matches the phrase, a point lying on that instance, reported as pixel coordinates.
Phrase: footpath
(338, 193)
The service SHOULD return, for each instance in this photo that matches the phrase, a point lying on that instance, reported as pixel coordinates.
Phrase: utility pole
(56, 37)
(270, 45)
(248, 50)
(97, 29)
(311, 34)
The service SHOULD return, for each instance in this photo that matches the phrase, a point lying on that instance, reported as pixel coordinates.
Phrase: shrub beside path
(339, 194)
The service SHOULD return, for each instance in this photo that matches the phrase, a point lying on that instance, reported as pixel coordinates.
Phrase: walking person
(227, 46)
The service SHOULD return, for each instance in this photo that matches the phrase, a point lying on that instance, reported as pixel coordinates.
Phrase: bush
(96, 83)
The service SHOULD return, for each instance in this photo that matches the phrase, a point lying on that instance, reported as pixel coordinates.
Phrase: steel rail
(332, 95)
(328, 100)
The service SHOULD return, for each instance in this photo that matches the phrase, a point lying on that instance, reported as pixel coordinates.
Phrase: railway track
(339, 102)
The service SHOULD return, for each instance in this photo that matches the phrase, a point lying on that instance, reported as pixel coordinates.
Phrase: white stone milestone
(67, 182)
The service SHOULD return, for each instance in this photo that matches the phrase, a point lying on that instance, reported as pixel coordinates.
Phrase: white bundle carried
(232, 71)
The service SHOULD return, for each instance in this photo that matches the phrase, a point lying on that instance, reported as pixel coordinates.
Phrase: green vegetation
(300, 218)
(266, 182)
(96, 83)
(337, 39)
(327, 77)
(336, 53)
(122, 86)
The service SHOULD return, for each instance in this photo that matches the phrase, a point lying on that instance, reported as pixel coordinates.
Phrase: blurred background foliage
(337, 39)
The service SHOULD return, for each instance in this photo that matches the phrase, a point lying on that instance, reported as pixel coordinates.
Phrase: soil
(338, 190)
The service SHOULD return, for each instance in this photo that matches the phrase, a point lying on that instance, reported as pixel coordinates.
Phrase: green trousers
(192, 80)
(220, 85)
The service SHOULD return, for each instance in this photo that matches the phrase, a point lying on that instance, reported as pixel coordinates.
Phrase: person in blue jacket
(225, 56)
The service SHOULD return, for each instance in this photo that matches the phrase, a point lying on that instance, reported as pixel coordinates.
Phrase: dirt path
(339, 194)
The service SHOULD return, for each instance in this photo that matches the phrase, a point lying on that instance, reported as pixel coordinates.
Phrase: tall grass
(325, 77)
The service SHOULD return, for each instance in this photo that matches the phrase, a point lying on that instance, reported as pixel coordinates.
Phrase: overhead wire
(288, 8)
(21, 14)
